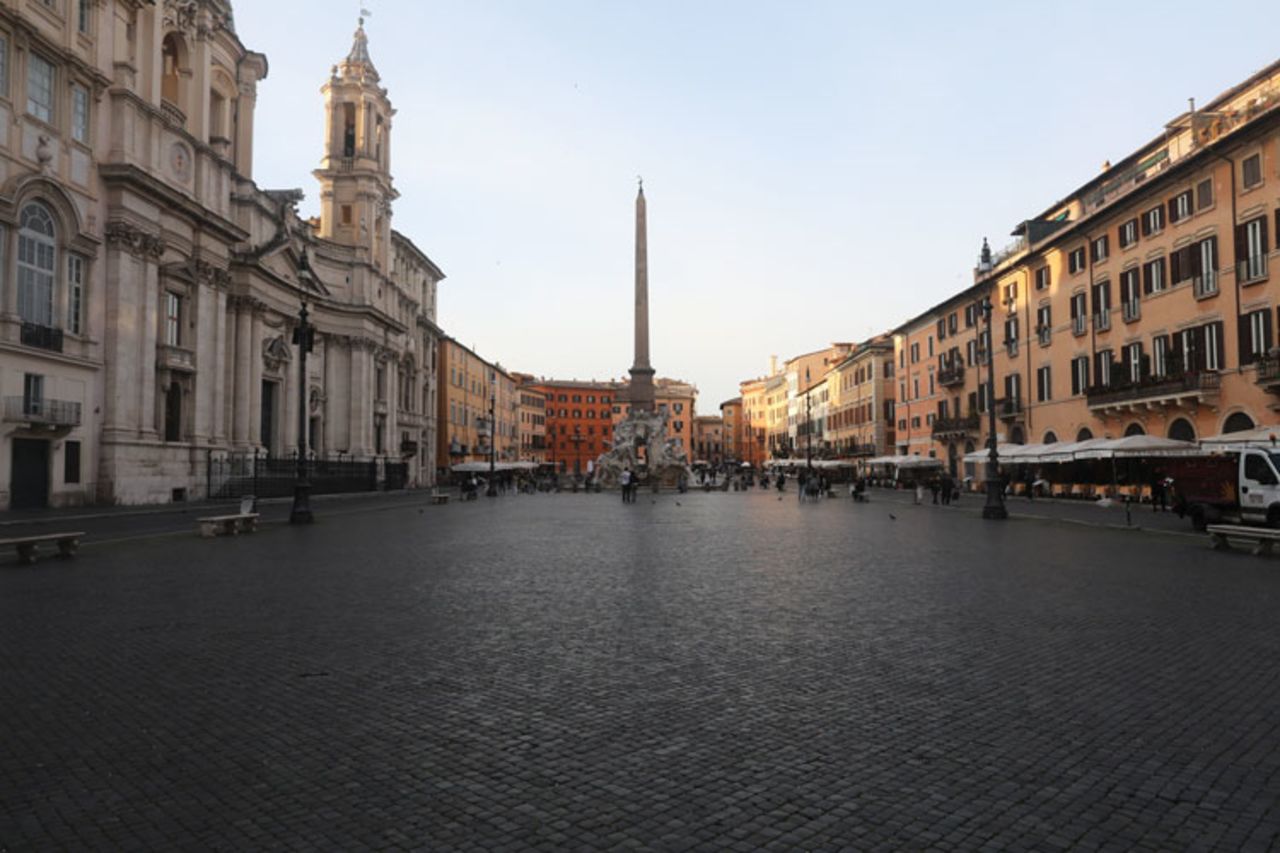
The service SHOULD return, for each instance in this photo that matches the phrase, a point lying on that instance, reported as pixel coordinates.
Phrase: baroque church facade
(149, 289)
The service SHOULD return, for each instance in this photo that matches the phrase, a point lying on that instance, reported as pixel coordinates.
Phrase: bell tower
(356, 190)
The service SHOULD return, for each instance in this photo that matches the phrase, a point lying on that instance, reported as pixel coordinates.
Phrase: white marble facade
(149, 288)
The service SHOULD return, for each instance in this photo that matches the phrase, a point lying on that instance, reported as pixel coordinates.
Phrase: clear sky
(815, 171)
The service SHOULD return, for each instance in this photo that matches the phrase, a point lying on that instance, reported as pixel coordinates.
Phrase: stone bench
(240, 522)
(29, 546)
(1262, 538)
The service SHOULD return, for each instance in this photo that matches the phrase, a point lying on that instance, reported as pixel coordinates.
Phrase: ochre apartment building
(1140, 304)
(469, 387)
(731, 416)
(860, 416)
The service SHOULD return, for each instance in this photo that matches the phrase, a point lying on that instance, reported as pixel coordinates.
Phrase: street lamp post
(994, 507)
(304, 337)
(492, 490)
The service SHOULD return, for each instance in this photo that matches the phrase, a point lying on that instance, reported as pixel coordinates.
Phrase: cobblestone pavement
(716, 672)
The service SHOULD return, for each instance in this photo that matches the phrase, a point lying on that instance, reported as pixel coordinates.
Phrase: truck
(1235, 486)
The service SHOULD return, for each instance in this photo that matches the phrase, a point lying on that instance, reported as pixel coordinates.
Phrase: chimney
(773, 365)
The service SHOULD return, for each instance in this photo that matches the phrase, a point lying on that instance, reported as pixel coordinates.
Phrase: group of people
(628, 481)
(942, 486)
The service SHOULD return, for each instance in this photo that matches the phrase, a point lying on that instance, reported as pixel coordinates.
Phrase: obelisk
(641, 371)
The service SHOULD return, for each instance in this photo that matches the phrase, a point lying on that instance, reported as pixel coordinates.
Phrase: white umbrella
(1138, 447)
(1065, 451)
(920, 462)
(1267, 437)
(983, 453)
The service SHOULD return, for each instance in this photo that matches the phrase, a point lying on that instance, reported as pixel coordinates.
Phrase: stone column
(289, 429)
(255, 377)
(243, 356)
(641, 371)
(205, 348)
(391, 436)
(123, 273)
(148, 333)
(329, 432)
(217, 372)
(360, 395)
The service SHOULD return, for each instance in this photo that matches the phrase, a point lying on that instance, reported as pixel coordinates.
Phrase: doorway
(29, 487)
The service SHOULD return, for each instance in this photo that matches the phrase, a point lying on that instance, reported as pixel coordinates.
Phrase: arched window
(1016, 436)
(1050, 437)
(36, 264)
(173, 54)
(1238, 422)
(1134, 429)
(1084, 434)
(969, 447)
(1182, 430)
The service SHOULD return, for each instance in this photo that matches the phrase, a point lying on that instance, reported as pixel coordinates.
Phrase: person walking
(625, 480)
(1159, 493)
(948, 486)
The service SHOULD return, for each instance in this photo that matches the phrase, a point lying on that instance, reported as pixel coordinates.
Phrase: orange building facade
(579, 422)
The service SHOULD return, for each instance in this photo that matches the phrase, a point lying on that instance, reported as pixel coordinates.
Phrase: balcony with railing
(41, 412)
(175, 358)
(1102, 320)
(1079, 325)
(951, 375)
(1044, 334)
(1124, 394)
(1009, 408)
(1205, 285)
(43, 337)
(956, 427)
(1268, 373)
(1131, 310)
(1252, 269)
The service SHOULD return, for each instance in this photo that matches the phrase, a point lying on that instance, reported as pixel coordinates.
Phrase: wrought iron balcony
(1102, 320)
(42, 412)
(1078, 325)
(943, 427)
(1268, 375)
(1132, 310)
(953, 375)
(1205, 285)
(1009, 408)
(44, 337)
(1124, 394)
(1252, 269)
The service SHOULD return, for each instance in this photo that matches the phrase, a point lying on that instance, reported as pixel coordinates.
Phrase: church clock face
(180, 161)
